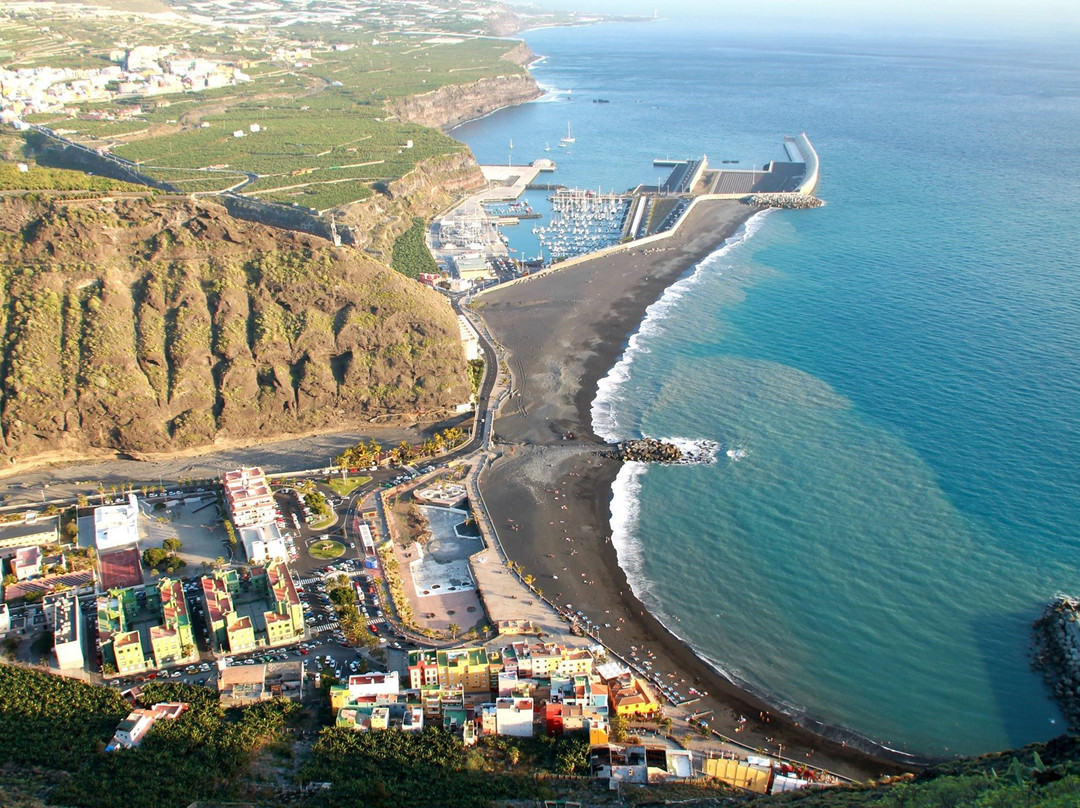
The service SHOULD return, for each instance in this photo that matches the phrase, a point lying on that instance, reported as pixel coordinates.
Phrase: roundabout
(327, 549)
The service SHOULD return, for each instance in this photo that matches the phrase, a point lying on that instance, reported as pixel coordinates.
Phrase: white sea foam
(625, 510)
(695, 450)
(609, 389)
(625, 500)
(551, 93)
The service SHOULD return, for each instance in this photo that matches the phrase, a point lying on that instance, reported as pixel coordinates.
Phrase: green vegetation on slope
(325, 136)
(150, 325)
(432, 768)
(196, 756)
(411, 255)
(38, 178)
(47, 720)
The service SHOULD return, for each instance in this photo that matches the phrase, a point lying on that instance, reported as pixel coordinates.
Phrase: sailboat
(566, 141)
(547, 147)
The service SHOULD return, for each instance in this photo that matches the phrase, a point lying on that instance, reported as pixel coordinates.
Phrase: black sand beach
(549, 492)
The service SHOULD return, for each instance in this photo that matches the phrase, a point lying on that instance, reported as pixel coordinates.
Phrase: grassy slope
(152, 325)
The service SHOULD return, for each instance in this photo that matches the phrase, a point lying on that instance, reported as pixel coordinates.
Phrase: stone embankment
(1056, 652)
(649, 450)
(786, 201)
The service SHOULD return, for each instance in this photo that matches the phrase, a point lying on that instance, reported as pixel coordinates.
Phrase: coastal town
(109, 586)
(368, 553)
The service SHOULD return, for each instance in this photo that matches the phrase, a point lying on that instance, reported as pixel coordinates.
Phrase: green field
(324, 136)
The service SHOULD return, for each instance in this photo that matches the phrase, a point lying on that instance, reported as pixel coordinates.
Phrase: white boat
(569, 136)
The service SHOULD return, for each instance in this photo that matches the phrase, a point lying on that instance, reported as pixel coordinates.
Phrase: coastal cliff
(454, 104)
(152, 325)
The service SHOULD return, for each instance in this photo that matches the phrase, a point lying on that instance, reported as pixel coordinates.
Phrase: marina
(472, 250)
(582, 221)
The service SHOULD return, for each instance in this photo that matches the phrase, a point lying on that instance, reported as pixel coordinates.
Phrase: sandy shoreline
(549, 494)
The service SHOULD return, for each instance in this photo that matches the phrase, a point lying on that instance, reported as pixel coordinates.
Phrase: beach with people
(549, 490)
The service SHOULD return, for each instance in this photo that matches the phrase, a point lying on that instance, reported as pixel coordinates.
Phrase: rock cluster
(650, 450)
(1056, 652)
(787, 201)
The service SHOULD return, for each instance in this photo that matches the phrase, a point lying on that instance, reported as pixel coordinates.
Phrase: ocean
(893, 379)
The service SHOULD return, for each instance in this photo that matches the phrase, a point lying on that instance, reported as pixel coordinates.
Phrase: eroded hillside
(149, 325)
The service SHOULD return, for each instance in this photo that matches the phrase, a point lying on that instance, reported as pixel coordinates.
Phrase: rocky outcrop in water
(1056, 652)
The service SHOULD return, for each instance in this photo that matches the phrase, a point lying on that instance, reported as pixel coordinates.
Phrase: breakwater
(784, 201)
(1056, 652)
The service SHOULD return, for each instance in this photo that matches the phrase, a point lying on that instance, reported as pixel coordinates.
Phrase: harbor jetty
(649, 450)
(783, 201)
(1056, 652)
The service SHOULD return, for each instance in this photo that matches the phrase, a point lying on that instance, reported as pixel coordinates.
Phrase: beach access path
(548, 489)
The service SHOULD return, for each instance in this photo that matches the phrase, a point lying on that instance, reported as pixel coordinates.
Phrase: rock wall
(1056, 652)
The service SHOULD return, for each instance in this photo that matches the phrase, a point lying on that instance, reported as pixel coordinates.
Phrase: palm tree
(454, 630)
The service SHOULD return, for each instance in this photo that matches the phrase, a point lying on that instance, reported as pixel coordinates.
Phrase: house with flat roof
(241, 685)
(263, 543)
(132, 730)
(117, 525)
(38, 530)
(467, 667)
(26, 563)
(364, 686)
(514, 716)
(65, 619)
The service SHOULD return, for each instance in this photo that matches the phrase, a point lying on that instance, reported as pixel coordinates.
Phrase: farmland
(308, 124)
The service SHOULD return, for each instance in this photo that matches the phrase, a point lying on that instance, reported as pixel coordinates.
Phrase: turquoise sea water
(894, 379)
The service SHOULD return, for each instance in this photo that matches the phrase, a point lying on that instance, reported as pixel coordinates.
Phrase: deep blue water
(894, 378)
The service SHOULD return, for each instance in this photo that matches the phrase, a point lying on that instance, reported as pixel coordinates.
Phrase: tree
(617, 724)
(171, 545)
(154, 556)
(454, 630)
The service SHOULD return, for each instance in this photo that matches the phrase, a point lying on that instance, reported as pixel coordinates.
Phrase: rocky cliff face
(448, 106)
(152, 325)
(425, 191)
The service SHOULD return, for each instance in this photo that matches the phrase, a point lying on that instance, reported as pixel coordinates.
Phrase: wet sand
(549, 491)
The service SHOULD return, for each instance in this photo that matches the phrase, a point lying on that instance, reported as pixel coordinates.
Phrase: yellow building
(166, 645)
(467, 668)
(285, 617)
(240, 633)
(128, 650)
(632, 698)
